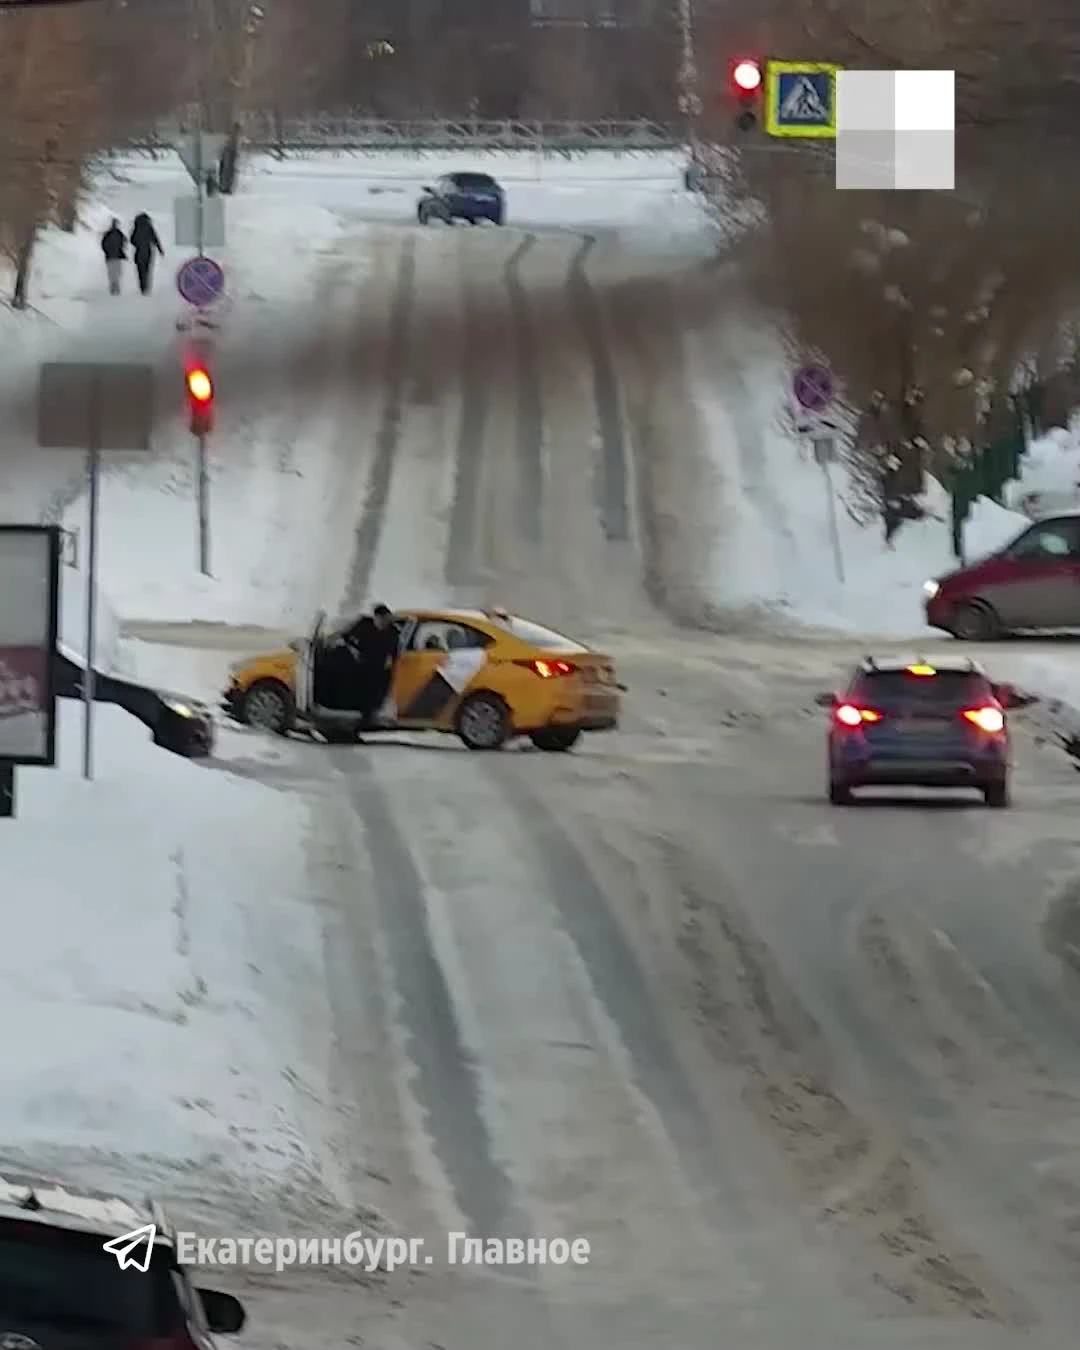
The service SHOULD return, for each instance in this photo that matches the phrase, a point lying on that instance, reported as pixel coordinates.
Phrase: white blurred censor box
(896, 129)
(29, 563)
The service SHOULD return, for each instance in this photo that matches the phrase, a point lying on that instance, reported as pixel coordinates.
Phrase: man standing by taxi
(373, 643)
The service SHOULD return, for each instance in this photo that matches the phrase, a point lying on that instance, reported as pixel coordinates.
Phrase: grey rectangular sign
(29, 616)
(185, 219)
(101, 405)
(196, 157)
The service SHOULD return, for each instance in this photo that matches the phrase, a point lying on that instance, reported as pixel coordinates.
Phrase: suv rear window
(54, 1279)
(471, 181)
(899, 689)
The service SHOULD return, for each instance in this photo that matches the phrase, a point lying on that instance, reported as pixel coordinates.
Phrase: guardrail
(263, 131)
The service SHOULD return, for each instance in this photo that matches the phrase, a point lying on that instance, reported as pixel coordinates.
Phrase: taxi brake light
(988, 719)
(548, 669)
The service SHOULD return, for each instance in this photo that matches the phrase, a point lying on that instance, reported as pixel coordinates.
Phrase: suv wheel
(974, 623)
(839, 793)
(997, 794)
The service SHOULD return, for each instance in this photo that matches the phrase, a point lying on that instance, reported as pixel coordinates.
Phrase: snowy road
(808, 1076)
(802, 1073)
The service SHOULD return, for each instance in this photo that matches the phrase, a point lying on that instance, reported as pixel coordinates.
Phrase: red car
(1031, 583)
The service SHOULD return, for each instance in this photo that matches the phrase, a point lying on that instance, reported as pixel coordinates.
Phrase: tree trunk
(20, 297)
(230, 162)
(67, 211)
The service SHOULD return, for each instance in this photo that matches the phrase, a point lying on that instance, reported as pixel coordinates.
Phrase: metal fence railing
(335, 132)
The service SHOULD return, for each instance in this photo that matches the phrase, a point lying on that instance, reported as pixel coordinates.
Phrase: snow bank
(107, 645)
(1051, 476)
(172, 978)
(775, 549)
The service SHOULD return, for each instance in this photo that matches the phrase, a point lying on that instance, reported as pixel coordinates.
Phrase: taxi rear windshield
(901, 689)
(538, 636)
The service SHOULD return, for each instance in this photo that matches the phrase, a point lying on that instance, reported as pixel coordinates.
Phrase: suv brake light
(988, 719)
(548, 669)
(848, 715)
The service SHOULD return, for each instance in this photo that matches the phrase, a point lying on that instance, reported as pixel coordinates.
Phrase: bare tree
(926, 304)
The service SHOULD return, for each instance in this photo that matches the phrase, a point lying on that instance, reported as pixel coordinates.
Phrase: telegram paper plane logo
(134, 1248)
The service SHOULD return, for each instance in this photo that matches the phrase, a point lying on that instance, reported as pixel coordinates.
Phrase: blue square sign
(800, 98)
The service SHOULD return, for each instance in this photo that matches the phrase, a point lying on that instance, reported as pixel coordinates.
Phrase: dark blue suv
(939, 725)
(463, 196)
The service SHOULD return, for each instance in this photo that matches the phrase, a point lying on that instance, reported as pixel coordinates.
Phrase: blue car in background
(462, 196)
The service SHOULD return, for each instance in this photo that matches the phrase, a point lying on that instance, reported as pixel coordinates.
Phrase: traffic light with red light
(747, 82)
(200, 396)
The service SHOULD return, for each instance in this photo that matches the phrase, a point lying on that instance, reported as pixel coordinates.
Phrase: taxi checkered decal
(451, 678)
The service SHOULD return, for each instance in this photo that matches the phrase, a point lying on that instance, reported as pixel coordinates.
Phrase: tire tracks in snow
(369, 530)
(549, 1097)
(461, 561)
(445, 1086)
(530, 411)
(611, 482)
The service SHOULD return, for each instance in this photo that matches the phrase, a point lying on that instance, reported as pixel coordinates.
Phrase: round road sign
(200, 281)
(813, 388)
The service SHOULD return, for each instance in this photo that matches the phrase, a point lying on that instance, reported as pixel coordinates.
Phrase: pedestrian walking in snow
(114, 246)
(145, 244)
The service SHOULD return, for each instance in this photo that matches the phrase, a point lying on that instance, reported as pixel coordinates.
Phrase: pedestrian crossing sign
(800, 99)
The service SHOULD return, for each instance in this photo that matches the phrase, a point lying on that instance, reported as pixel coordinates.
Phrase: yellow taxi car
(486, 676)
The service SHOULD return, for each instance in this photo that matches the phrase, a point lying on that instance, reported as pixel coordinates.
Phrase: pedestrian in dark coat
(373, 642)
(114, 246)
(145, 243)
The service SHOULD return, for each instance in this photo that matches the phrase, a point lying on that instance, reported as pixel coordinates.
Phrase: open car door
(306, 655)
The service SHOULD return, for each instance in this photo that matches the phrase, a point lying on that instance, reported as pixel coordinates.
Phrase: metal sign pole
(834, 525)
(204, 509)
(200, 194)
(93, 469)
(7, 789)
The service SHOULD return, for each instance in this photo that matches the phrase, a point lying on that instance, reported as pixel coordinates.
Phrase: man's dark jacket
(373, 646)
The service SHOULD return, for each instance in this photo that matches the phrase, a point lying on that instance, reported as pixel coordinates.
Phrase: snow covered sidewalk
(162, 970)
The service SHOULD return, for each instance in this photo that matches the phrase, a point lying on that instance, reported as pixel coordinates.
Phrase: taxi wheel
(556, 738)
(483, 722)
(267, 706)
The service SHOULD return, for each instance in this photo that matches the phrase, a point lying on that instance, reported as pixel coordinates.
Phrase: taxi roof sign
(800, 99)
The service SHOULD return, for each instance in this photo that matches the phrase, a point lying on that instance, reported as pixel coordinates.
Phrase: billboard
(29, 604)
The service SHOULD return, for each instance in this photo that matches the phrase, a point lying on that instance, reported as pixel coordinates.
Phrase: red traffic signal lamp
(747, 81)
(200, 396)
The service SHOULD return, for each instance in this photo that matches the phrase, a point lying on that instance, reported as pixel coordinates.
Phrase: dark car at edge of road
(1031, 584)
(462, 196)
(61, 1289)
(917, 724)
(177, 723)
